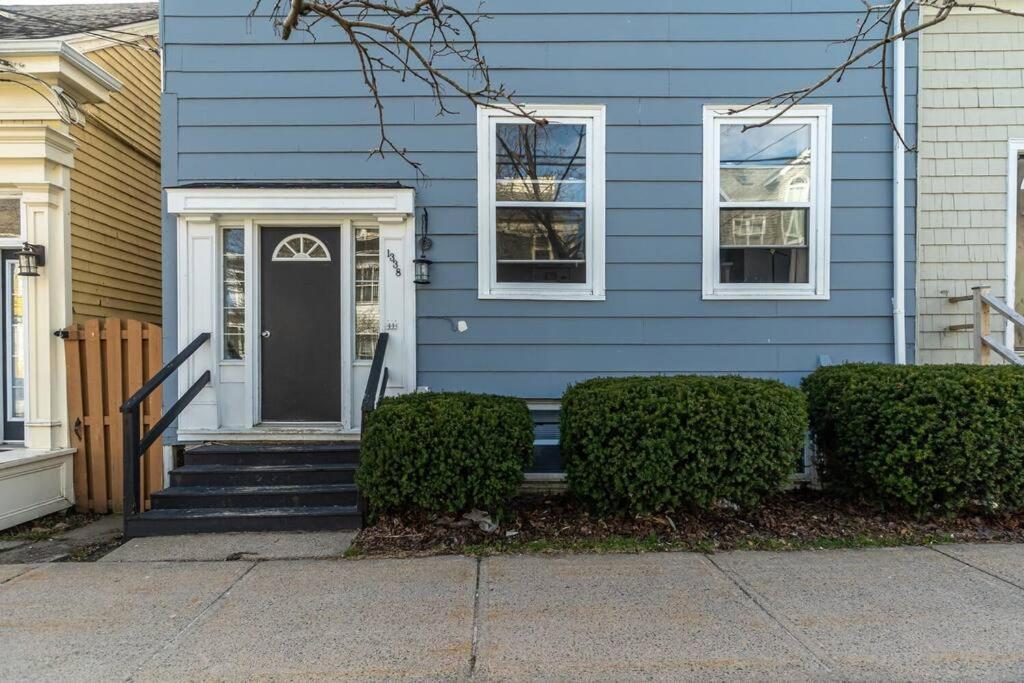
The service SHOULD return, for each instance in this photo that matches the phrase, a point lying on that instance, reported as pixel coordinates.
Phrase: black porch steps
(212, 520)
(256, 487)
(310, 495)
(263, 475)
(273, 454)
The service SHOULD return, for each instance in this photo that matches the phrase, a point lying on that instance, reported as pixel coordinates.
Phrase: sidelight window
(367, 291)
(541, 198)
(766, 204)
(233, 294)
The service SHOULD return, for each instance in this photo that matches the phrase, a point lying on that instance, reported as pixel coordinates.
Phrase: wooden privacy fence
(108, 361)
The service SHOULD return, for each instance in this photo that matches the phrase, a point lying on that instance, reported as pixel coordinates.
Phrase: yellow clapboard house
(79, 217)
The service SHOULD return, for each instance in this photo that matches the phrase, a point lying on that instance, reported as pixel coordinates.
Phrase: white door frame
(1015, 147)
(202, 213)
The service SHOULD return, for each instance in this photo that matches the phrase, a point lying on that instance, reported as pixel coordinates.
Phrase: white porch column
(197, 313)
(48, 305)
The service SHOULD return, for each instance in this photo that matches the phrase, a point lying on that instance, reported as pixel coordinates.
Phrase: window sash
(235, 287)
(592, 119)
(817, 207)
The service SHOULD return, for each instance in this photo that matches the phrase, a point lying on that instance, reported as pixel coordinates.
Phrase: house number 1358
(394, 263)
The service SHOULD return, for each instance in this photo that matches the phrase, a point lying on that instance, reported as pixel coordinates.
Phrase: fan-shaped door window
(301, 247)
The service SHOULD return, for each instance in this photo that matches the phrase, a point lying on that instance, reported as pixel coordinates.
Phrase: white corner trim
(251, 201)
(821, 206)
(1015, 146)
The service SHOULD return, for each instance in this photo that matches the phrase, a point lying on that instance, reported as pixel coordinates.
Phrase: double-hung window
(766, 203)
(541, 198)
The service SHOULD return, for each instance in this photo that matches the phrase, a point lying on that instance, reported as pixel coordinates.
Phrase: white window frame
(593, 117)
(221, 313)
(819, 117)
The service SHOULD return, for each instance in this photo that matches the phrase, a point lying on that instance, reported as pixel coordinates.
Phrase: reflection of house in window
(750, 227)
(367, 294)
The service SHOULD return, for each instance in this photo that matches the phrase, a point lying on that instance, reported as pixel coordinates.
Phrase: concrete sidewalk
(954, 612)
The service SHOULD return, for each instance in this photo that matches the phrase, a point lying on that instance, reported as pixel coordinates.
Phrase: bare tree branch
(436, 43)
(430, 41)
(894, 24)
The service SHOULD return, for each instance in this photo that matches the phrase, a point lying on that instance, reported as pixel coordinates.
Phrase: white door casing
(229, 407)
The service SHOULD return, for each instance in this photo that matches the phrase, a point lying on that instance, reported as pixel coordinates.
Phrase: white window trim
(593, 116)
(820, 118)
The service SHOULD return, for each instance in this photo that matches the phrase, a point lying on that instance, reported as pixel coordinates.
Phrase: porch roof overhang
(315, 198)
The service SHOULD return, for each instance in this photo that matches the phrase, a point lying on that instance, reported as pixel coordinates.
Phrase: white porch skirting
(34, 483)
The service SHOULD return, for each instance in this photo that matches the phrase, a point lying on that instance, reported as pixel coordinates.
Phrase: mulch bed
(793, 520)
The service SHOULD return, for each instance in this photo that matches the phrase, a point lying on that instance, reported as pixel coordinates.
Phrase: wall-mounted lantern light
(30, 257)
(422, 264)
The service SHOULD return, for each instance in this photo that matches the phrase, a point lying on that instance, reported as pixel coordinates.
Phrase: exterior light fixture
(421, 275)
(30, 257)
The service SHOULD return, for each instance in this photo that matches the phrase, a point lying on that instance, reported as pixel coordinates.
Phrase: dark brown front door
(300, 302)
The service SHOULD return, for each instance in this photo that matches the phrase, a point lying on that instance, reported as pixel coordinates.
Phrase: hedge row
(653, 444)
(445, 452)
(923, 438)
(926, 439)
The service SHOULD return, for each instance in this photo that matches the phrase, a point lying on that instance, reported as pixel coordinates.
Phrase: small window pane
(763, 227)
(367, 248)
(16, 341)
(541, 245)
(541, 163)
(233, 275)
(759, 265)
(10, 218)
(768, 164)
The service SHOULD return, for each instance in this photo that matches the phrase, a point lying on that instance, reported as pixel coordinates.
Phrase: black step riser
(141, 526)
(258, 478)
(345, 457)
(250, 500)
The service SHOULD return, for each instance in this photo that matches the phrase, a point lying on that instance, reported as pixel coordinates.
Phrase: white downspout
(899, 201)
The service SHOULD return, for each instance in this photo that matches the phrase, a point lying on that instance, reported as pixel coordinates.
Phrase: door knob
(265, 334)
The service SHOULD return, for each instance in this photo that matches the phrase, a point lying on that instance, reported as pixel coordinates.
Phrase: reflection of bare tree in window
(526, 157)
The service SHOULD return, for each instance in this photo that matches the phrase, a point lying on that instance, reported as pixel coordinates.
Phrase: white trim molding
(1014, 181)
(263, 201)
(593, 117)
(57, 61)
(819, 119)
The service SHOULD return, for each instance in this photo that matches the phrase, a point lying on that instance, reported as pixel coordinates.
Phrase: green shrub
(445, 452)
(651, 444)
(923, 438)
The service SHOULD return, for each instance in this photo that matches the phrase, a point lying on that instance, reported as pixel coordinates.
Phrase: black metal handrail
(377, 382)
(135, 442)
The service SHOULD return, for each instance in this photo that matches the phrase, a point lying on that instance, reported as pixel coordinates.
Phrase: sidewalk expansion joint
(820, 658)
(26, 570)
(476, 620)
(976, 568)
(206, 610)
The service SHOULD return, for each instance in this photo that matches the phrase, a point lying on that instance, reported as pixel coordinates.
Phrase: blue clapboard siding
(243, 105)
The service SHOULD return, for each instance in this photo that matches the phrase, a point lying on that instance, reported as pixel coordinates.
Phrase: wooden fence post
(982, 326)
